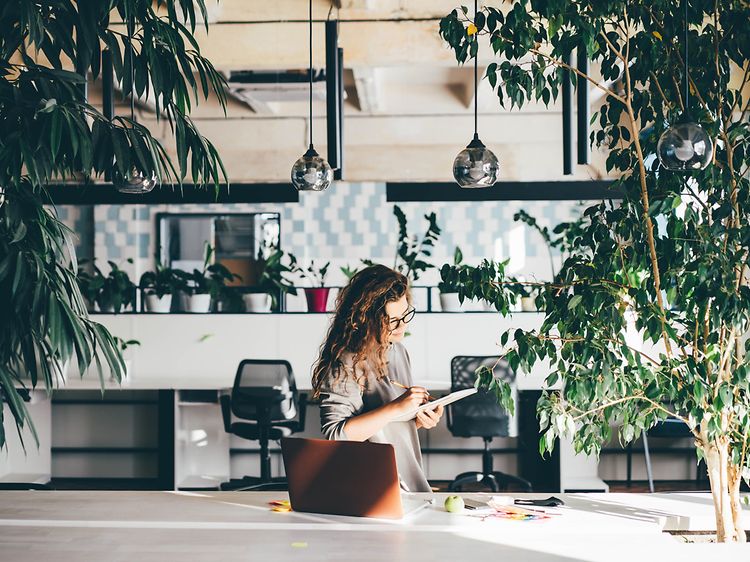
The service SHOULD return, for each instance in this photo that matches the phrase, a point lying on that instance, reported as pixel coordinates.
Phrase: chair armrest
(226, 411)
(302, 411)
(297, 425)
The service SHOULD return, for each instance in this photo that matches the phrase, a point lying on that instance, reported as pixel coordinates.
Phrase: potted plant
(90, 280)
(412, 253)
(158, 287)
(669, 252)
(348, 271)
(448, 294)
(57, 134)
(524, 294)
(203, 285)
(317, 295)
(113, 293)
(272, 283)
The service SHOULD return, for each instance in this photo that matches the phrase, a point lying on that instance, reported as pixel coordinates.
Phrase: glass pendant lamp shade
(311, 172)
(134, 182)
(476, 166)
(685, 146)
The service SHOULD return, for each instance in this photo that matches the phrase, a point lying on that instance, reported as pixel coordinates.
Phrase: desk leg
(543, 473)
(166, 439)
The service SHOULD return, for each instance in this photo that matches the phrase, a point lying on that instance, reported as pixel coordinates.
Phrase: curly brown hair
(360, 326)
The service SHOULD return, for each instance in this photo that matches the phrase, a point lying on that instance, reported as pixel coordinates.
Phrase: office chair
(480, 415)
(265, 394)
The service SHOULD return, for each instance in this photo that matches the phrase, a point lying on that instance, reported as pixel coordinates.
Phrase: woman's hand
(411, 399)
(428, 419)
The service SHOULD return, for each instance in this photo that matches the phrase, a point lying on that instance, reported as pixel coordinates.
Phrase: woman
(364, 368)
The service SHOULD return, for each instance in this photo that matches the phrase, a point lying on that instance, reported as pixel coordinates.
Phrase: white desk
(122, 526)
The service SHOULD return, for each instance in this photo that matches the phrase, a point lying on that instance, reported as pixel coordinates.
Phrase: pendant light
(311, 172)
(134, 181)
(685, 145)
(475, 166)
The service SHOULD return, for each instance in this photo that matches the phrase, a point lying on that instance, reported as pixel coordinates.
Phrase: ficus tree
(50, 132)
(646, 319)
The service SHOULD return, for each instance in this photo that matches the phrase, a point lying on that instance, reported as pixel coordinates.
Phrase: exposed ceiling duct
(263, 91)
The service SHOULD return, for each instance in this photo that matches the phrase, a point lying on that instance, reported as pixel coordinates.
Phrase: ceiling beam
(368, 87)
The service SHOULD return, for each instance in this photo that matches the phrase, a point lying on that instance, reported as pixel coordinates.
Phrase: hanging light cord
(132, 71)
(311, 77)
(476, 71)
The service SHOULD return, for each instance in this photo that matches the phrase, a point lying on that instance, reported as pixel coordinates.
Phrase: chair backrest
(262, 384)
(480, 415)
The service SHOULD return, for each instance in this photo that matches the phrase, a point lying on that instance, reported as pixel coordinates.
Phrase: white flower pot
(527, 304)
(158, 304)
(449, 302)
(199, 303)
(257, 302)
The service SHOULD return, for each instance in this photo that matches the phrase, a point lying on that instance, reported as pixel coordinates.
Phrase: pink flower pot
(317, 298)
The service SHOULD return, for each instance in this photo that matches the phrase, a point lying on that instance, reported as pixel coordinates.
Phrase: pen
(406, 387)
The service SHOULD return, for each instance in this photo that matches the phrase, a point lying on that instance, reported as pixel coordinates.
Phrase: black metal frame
(106, 194)
(334, 96)
(567, 117)
(503, 191)
(582, 96)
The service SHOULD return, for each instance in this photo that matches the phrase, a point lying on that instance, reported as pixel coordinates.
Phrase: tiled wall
(348, 222)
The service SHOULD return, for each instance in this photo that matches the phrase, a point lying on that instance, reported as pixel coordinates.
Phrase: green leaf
(574, 302)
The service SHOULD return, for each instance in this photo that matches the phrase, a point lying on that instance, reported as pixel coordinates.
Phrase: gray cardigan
(346, 398)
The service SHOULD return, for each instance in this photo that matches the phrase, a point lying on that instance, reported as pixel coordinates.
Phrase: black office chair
(265, 394)
(480, 415)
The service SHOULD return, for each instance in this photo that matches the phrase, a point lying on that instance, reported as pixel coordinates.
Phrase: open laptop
(344, 478)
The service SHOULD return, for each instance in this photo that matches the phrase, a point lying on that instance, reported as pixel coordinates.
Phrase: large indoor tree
(50, 133)
(646, 320)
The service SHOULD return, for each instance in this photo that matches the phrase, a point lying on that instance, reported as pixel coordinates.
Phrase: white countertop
(240, 526)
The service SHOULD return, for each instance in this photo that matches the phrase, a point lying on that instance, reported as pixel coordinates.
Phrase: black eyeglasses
(394, 323)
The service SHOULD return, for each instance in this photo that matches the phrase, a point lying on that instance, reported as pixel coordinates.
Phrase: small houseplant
(203, 285)
(90, 280)
(158, 286)
(112, 293)
(413, 251)
(348, 271)
(449, 299)
(272, 283)
(317, 295)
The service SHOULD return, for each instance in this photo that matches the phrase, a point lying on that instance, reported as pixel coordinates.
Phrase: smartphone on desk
(474, 504)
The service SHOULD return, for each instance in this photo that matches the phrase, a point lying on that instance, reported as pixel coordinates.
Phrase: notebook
(444, 401)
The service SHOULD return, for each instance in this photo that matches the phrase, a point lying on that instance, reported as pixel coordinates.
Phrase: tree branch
(561, 64)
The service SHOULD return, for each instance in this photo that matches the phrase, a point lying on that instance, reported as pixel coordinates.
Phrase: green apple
(454, 504)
